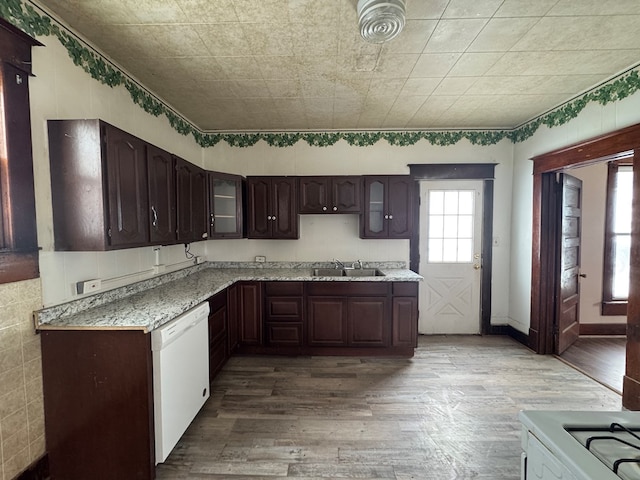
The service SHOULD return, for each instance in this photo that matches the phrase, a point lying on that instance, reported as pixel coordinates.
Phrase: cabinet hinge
(109, 233)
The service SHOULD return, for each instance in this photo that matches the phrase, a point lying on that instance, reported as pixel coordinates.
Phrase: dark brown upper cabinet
(191, 196)
(98, 186)
(272, 207)
(330, 194)
(225, 205)
(162, 196)
(388, 207)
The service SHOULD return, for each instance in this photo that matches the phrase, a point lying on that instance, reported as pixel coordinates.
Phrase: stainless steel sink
(347, 272)
(363, 272)
(328, 272)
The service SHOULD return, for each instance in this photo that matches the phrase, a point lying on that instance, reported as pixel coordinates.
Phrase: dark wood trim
(453, 171)
(38, 470)
(18, 241)
(603, 329)
(461, 171)
(487, 257)
(611, 146)
(614, 308)
(15, 266)
(611, 306)
(414, 242)
(543, 273)
(509, 331)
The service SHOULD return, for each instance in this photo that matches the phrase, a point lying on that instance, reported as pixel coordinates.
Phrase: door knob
(476, 266)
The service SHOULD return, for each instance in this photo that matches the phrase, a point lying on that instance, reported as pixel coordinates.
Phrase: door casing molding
(462, 171)
(610, 146)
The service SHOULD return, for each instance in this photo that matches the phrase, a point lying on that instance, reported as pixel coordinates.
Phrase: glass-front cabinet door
(376, 207)
(225, 205)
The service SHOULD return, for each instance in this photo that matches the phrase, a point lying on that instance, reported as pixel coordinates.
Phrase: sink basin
(347, 272)
(363, 272)
(328, 272)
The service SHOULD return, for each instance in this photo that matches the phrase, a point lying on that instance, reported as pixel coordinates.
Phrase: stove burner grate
(616, 427)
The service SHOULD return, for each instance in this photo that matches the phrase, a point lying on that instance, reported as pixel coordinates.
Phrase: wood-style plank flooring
(448, 413)
(601, 358)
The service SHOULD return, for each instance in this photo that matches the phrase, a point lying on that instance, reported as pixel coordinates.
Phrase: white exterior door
(450, 260)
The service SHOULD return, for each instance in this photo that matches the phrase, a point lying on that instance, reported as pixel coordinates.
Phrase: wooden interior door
(567, 326)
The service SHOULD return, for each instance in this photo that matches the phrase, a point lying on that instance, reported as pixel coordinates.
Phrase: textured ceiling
(242, 65)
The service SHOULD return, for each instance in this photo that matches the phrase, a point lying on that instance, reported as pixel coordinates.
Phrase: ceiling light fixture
(380, 20)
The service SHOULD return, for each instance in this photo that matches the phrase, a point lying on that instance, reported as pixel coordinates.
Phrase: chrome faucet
(338, 263)
(357, 264)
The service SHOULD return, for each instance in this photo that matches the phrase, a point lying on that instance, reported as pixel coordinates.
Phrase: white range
(554, 445)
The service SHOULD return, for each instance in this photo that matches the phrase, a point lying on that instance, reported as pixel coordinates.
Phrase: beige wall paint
(21, 405)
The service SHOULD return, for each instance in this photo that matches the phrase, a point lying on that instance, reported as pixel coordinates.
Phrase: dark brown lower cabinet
(348, 314)
(327, 321)
(98, 403)
(284, 317)
(218, 345)
(368, 322)
(249, 313)
(405, 314)
(232, 318)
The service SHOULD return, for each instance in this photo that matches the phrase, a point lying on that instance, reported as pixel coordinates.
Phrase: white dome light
(380, 20)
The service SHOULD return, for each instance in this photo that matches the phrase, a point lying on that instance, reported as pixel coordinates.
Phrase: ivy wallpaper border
(25, 17)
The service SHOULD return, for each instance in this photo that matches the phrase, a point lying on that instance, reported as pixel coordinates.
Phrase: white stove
(571, 445)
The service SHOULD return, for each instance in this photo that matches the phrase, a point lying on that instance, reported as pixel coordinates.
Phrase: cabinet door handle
(335, 209)
(268, 217)
(390, 217)
(324, 209)
(273, 217)
(386, 217)
(154, 223)
(213, 219)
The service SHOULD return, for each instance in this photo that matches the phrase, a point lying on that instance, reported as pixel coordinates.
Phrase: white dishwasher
(180, 375)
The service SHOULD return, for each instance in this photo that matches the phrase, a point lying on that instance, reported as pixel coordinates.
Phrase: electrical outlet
(261, 258)
(199, 260)
(88, 286)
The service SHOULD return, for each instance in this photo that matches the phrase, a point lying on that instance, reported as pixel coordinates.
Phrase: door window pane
(450, 232)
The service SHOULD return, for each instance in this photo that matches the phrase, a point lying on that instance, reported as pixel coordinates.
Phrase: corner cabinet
(98, 186)
(225, 205)
(340, 194)
(272, 208)
(112, 190)
(388, 207)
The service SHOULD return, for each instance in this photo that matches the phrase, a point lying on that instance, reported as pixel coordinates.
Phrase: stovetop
(617, 446)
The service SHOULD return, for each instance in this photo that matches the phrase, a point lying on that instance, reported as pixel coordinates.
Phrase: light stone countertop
(149, 309)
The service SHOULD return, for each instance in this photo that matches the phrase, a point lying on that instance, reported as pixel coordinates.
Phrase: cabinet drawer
(283, 288)
(405, 289)
(284, 333)
(284, 309)
(348, 288)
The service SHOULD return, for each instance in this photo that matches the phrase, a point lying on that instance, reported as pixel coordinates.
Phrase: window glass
(450, 232)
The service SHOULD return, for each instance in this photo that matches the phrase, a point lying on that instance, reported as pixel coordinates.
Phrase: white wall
(594, 120)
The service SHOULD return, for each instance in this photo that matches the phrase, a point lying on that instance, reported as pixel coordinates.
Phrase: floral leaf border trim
(25, 17)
